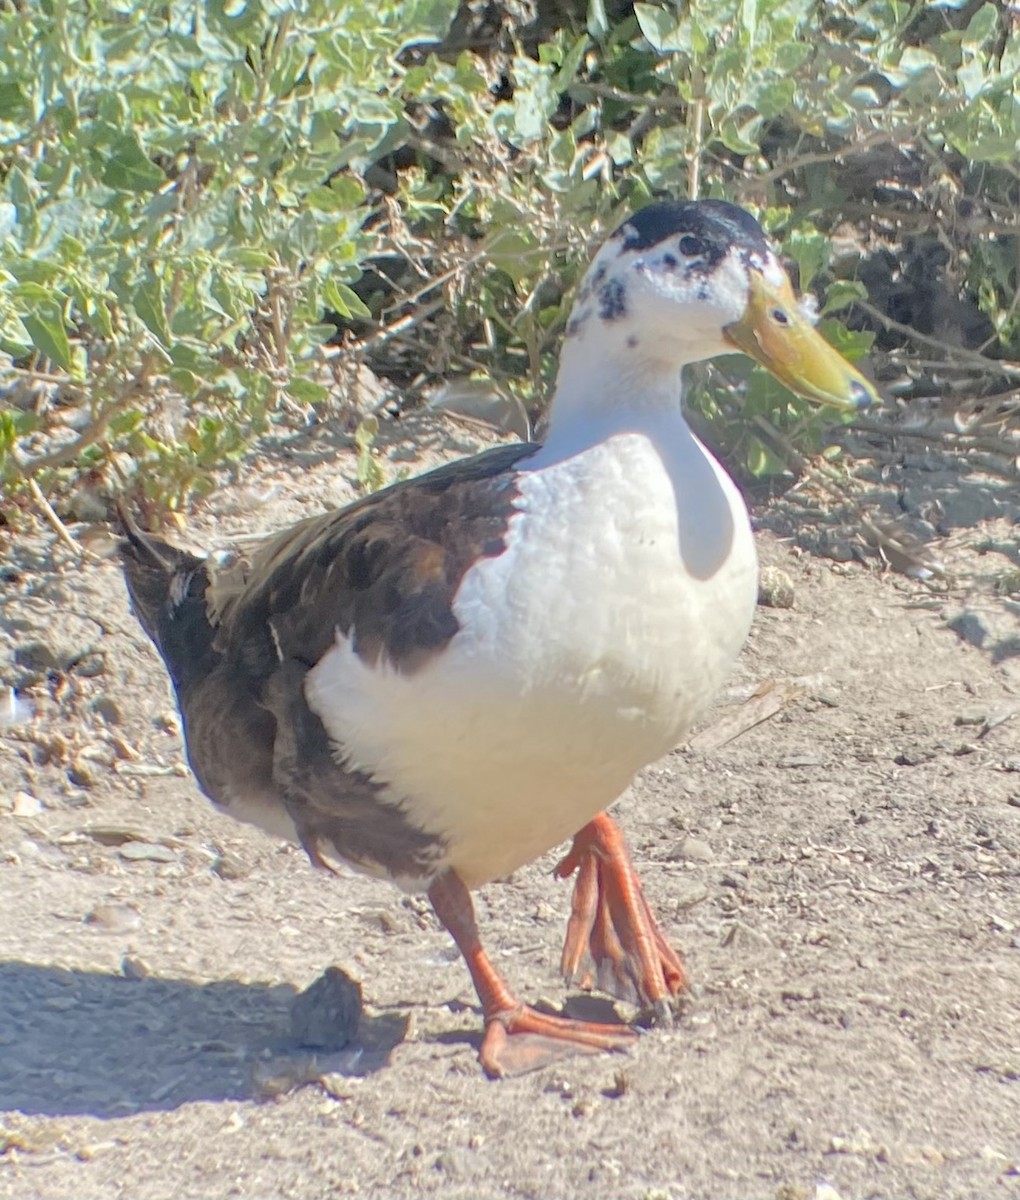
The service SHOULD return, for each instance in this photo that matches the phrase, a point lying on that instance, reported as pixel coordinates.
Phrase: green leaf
(982, 25)
(344, 300)
(45, 326)
(13, 101)
(661, 28)
(571, 64)
(370, 474)
(307, 391)
(843, 293)
(810, 250)
(150, 304)
(763, 462)
(130, 169)
(851, 343)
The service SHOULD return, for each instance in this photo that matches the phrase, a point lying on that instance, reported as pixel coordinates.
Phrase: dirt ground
(843, 876)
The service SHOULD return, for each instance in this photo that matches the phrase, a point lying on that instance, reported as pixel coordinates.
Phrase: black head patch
(707, 229)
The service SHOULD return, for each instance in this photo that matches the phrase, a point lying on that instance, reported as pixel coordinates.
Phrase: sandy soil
(844, 878)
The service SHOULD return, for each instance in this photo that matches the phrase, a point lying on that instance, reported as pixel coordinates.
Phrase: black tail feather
(167, 587)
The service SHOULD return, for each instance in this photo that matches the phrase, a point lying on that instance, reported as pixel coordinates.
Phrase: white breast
(586, 650)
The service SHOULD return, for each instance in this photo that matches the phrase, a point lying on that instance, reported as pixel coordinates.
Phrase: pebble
(82, 774)
(775, 588)
(134, 968)
(37, 656)
(454, 1163)
(825, 1191)
(695, 850)
(146, 852)
(108, 708)
(276, 1076)
(914, 756)
(229, 865)
(327, 1013)
(114, 918)
(26, 805)
(801, 760)
(90, 665)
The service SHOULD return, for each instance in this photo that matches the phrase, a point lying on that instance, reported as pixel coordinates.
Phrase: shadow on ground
(88, 1043)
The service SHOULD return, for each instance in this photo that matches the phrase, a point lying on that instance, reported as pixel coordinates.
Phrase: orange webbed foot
(613, 941)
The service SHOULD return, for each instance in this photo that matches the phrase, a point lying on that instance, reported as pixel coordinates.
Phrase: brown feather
(239, 638)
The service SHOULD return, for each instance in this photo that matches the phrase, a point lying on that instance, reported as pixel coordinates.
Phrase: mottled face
(686, 280)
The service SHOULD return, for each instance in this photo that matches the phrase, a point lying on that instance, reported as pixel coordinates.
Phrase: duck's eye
(691, 246)
(780, 316)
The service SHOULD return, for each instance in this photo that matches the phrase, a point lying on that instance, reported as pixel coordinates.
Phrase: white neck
(605, 386)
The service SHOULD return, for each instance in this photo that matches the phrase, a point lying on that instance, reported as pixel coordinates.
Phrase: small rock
(801, 760)
(114, 918)
(82, 774)
(276, 1076)
(825, 1191)
(838, 552)
(37, 657)
(167, 721)
(453, 1163)
(26, 805)
(108, 708)
(90, 665)
(146, 852)
(88, 1152)
(134, 968)
(775, 588)
(229, 865)
(914, 756)
(970, 628)
(695, 850)
(327, 1013)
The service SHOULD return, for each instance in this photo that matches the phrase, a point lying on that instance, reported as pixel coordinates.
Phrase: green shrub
(196, 199)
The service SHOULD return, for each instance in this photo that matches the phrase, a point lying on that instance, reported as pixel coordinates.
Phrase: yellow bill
(776, 333)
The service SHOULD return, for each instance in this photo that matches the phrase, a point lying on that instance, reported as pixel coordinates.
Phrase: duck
(450, 677)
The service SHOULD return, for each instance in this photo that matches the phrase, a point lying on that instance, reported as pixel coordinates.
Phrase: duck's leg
(517, 1037)
(613, 942)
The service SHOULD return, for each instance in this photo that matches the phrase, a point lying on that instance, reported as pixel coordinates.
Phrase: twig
(604, 91)
(696, 124)
(993, 365)
(816, 157)
(90, 434)
(58, 526)
(388, 332)
(929, 433)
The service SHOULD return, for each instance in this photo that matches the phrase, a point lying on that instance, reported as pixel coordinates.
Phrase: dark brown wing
(386, 568)
(239, 641)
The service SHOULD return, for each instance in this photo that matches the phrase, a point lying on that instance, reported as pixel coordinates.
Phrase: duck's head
(687, 280)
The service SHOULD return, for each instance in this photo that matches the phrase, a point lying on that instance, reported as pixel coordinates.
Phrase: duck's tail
(167, 587)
